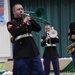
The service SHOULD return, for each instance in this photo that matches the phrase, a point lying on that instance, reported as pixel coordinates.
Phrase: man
(25, 52)
(50, 53)
(71, 37)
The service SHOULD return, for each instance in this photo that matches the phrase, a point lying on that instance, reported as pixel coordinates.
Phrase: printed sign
(2, 12)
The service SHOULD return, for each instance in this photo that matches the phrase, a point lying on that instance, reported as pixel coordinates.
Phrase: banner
(2, 12)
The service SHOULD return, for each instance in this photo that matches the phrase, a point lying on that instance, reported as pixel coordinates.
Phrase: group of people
(26, 56)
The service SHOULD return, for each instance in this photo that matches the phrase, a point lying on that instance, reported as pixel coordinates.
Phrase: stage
(66, 66)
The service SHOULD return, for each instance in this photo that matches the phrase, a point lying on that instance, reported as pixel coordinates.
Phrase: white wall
(5, 44)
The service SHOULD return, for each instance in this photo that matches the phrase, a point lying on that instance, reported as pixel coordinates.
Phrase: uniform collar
(19, 19)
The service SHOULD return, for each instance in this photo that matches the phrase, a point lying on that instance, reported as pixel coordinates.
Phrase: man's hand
(48, 37)
(73, 37)
(27, 18)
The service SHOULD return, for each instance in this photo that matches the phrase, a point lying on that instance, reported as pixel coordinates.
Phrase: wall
(5, 45)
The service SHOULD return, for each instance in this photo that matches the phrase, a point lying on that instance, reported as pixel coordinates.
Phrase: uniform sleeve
(56, 40)
(14, 30)
(43, 41)
(35, 26)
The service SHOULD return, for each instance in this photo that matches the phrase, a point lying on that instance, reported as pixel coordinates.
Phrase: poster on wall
(2, 12)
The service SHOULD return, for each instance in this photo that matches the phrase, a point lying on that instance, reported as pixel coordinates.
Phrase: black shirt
(50, 51)
(24, 47)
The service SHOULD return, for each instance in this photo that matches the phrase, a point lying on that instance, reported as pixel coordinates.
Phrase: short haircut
(13, 8)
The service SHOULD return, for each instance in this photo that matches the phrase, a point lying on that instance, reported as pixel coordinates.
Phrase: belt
(50, 45)
(22, 36)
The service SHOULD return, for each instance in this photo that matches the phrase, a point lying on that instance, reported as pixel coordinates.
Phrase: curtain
(59, 14)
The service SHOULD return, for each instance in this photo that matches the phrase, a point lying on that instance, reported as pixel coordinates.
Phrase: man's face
(18, 11)
(47, 28)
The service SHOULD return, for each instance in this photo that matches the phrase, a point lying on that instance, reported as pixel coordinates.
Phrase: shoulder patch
(9, 26)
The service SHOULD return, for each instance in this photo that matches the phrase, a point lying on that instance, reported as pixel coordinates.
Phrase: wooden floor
(63, 74)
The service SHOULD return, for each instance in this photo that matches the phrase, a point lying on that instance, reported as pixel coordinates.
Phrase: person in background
(25, 52)
(71, 37)
(50, 52)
